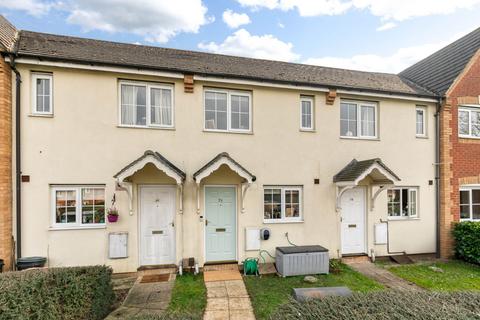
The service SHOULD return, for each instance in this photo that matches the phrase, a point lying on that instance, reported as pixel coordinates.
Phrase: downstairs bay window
(78, 206)
(282, 204)
(470, 203)
(402, 203)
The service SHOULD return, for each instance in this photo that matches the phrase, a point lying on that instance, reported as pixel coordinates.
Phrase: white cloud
(387, 26)
(281, 25)
(386, 9)
(242, 43)
(393, 63)
(33, 7)
(235, 20)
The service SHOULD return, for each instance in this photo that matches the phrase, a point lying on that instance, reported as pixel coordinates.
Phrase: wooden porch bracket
(331, 95)
(188, 83)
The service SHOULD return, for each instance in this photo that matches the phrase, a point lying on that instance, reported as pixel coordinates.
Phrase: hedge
(57, 293)
(386, 305)
(467, 241)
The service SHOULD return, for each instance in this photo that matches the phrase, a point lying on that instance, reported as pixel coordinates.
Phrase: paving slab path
(383, 276)
(228, 300)
(145, 299)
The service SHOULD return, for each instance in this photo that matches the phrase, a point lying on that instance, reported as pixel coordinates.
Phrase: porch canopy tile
(350, 176)
(219, 160)
(156, 159)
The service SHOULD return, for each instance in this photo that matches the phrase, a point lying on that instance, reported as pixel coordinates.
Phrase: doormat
(155, 278)
(224, 275)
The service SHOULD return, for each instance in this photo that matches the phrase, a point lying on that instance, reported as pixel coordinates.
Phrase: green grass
(456, 275)
(189, 297)
(269, 292)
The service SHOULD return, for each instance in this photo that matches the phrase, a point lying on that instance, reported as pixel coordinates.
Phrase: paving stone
(123, 313)
(218, 304)
(217, 292)
(239, 304)
(236, 289)
(216, 315)
(302, 294)
(242, 315)
(215, 284)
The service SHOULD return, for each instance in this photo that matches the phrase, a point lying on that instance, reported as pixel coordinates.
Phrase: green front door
(220, 224)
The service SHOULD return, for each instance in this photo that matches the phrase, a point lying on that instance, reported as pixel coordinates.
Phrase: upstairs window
(402, 202)
(469, 122)
(421, 127)
(282, 204)
(306, 113)
(470, 203)
(358, 119)
(78, 206)
(146, 105)
(42, 94)
(227, 110)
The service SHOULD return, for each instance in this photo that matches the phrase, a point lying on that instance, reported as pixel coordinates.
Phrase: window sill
(146, 127)
(402, 218)
(41, 115)
(468, 137)
(61, 228)
(308, 130)
(421, 137)
(282, 221)
(361, 138)
(226, 131)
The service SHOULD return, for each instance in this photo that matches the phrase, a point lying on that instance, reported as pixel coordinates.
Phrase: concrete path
(145, 299)
(383, 276)
(228, 300)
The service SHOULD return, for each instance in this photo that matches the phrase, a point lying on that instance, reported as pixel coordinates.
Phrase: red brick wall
(460, 157)
(5, 164)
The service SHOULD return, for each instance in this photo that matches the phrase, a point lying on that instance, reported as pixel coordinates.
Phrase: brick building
(453, 73)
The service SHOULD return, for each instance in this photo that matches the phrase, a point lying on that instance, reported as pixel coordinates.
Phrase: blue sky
(373, 35)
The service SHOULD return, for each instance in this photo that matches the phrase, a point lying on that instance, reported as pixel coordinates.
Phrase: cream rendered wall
(82, 144)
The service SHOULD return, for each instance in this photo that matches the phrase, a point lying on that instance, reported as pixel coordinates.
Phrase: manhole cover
(155, 278)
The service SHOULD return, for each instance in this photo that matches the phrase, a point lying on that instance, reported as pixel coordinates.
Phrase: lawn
(189, 297)
(270, 292)
(456, 275)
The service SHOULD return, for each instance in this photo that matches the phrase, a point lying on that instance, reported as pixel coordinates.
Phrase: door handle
(173, 224)
(206, 222)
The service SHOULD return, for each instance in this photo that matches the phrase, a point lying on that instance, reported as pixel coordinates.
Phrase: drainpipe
(437, 175)
(18, 174)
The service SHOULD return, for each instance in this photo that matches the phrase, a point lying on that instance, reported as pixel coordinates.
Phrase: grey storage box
(301, 260)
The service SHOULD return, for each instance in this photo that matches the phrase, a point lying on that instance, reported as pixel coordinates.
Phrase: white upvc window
(78, 206)
(306, 113)
(421, 121)
(42, 93)
(402, 202)
(470, 203)
(146, 105)
(227, 110)
(469, 122)
(358, 119)
(282, 204)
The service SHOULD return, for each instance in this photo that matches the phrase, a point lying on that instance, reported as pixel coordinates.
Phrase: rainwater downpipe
(437, 176)
(18, 169)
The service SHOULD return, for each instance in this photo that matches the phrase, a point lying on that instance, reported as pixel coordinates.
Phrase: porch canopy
(214, 164)
(160, 162)
(379, 175)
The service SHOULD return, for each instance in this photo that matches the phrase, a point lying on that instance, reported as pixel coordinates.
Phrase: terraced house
(197, 152)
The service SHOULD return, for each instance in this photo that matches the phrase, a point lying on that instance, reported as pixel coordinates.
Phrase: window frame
(283, 189)
(54, 225)
(468, 188)
(359, 105)
(417, 203)
(229, 93)
(312, 114)
(148, 86)
(423, 109)
(43, 76)
(469, 109)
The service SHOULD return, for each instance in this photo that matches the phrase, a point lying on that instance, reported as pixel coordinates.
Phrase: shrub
(387, 305)
(467, 241)
(57, 293)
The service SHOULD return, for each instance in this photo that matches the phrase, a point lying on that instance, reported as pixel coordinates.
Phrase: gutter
(18, 169)
(437, 176)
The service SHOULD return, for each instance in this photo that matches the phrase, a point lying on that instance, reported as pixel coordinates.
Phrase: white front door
(353, 221)
(157, 225)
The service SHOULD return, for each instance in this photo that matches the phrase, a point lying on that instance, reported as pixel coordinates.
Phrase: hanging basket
(112, 218)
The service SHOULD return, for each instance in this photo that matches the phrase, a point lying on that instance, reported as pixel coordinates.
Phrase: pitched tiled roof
(88, 51)
(8, 35)
(438, 71)
(356, 168)
(218, 157)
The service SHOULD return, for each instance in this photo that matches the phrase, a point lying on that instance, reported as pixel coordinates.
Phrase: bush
(467, 241)
(57, 293)
(387, 305)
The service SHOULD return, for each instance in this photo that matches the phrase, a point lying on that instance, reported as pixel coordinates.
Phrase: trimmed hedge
(467, 241)
(57, 293)
(387, 305)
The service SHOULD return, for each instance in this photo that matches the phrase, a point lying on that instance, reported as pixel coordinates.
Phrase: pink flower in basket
(112, 215)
